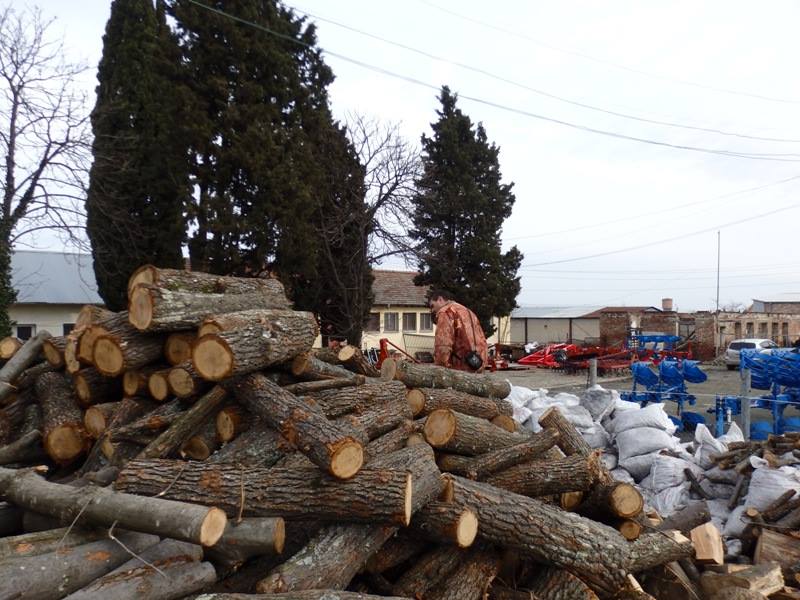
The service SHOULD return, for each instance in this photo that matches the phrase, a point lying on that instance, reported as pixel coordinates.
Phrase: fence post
(592, 372)
(744, 392)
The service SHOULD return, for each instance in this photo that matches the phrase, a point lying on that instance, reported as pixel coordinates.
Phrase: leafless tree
(392, 165)
(45, 134)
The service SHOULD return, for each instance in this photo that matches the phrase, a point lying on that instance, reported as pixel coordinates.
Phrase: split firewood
(178, 347)
(24, 450)
(774, 547)
(97, 417)
(557, 584)
(542, 478)
(25, 357)
(423, 401)
(255, 536)
(471, 579)
(102, 506)
(430, 376)
(92, 387)
(354, 359)
(312, 387)
(765, 579)
(168, 569)
(708, 544)
(338, 402)
(65, 439)
(307, 366)
(448, 430)
(155, 309)
(428, 571)
(203, 443)
(185, 425)
(329, 445)
(251, 341)
(68, 569)
(42, 542)
(9, 346)
(185, 382)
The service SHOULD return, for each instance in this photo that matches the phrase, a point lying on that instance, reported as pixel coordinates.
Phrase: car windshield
(741, 345)
(769, 345)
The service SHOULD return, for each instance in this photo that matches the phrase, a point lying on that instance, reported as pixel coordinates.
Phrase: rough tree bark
(430, 376)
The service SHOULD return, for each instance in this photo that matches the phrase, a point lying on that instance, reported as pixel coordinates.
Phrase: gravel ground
(720, 381)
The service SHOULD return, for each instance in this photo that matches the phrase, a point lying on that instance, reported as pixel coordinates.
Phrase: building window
(374, 322)
(390, 321)
(748, 330)
(762, 330)
(425, 322)
(409, 321)
(67, 328)
(26, 332)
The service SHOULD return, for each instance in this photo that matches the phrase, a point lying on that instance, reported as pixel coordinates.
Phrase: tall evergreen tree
(458, 216)
(139, 180)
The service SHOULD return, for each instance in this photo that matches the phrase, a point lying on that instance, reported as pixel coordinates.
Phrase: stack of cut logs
(195, 443)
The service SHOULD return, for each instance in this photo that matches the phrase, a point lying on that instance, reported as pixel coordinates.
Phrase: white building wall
(50, 317)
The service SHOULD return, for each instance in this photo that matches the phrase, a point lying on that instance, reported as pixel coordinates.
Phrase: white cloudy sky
(600, 219)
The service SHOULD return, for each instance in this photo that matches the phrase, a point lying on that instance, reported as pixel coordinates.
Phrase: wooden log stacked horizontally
(264, 466)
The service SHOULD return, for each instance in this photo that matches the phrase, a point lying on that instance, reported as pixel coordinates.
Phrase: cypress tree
(458, 216)
(139, 179)
(8, 295)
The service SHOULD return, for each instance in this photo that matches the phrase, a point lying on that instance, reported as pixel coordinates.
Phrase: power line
(653, 213)
(607, 62)
(664, 241)
(747, 155)
(538, 91)
(670, 288)
(792, 265)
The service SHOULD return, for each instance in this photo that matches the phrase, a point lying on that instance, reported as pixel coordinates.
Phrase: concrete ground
(720, 381)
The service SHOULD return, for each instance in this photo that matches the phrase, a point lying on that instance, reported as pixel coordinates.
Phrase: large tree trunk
(424, 401)
(541, 478)
(185, 381)
(337, 402)
(300, 595)
(328, 445)
(374, 495)
(263, 338)
(427, 571)
(125, 349)
(185, 425)
(180, 573)
(547, 534)
(354, 359)
(430, 376)
(178, 280)
(471, 580)
(448, 430)
(654, 549)
(102, 506)
(329, 561)
(484, 465)
(154, 309)
(53, 575)
(42, 542)
(307, 366)
(65, 439)
(92, 387)
(26, 356)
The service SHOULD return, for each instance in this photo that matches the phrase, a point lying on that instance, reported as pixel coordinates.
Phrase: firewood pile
(195, 444)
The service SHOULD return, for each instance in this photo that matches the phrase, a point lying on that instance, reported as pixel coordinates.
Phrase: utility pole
(718, 248)
(717, 334)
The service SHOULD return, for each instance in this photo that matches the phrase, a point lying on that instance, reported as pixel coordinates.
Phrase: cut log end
(227, 424)
(95, 421)
(408, 508)
(212, 357)
(108, 357)
(415, 439)
(505, 422)
(208, 328)
(53, 355)
(347, 353)
(140, 308)
(130, 383)
(466, 529)
(196, 449)
(279, 536)
(347, 460)
(65, 443)
(180, 382)
(570, 500)
(213, 526)
(82, 390)
(630, 530)
(627, 501)
(9, 347)
(158, 386)
(388, 370)
(299, 364)
(145, 274)
(416, 401)
(178, 348)
(440, 426)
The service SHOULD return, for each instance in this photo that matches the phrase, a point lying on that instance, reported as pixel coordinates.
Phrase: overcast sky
(601, 219)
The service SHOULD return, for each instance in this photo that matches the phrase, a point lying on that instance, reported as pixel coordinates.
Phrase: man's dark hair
(439, 293)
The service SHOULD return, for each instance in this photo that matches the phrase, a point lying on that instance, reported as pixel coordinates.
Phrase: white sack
(766, 485)
(520, 396)
(723, 491)
(622, 475)
(652, 415)
(577, 415)
(706, 446)
(734, 434)
(668, 471)
(643, 440)
(717, 475)
(521, 414)
(719, 511)
(669, 500)
(599, 401)
(638, 466)
(565, 399)
(737, 523)
(596, 436)
(733, 547)
(621, 406)
(609, 461)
